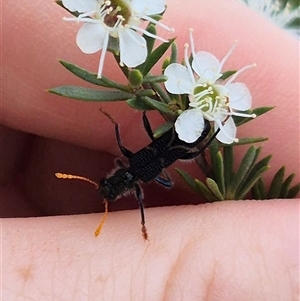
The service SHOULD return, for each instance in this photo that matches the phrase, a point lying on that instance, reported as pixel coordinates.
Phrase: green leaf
(203, 190)
(243, 141)
(162, 129)
(227, 74)
(243, 170)
(150, 79)
(249, 184)
(293, 192)
(245, 178)
(213, 149)
(228, 165)
(145, 92)
(174, 53)
(213, 186)
(286, 186)
(256, 190)
(150, 41)
(219, 169)
(92, 77)
(187, 178)
(153, 58)
(161, 92)
(88, 94)
(138, 103)
(259, 190)
(162, 107)
(257, 111)
(255, 170)
(276, 184)
(113, 46)
(217, 166)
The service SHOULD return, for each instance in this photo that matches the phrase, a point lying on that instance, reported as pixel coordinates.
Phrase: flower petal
(148, 7)
(189, 125)
(227, 133)
(221, 90)
(207, 66)
(133, 49)
(90, 37)
(179, 80)
(239, 96)
(82, 6)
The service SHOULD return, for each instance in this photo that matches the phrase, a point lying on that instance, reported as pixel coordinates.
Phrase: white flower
(119, 19)
(208, 98)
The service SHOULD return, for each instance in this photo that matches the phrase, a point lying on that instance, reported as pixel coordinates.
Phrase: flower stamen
(147, 18)
(147, 33)
(187, 63)
(228, 54)
(235, 75)
(102, 57)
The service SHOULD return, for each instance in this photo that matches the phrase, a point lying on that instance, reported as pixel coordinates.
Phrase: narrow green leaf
(276, 184)
(145, 92)
(162, 107)
(92, 77)
(256, 193)
(164, 96)
(150, 79)
(83, 74)
(150, 41)
(257, 111)
(259, 190)
(263, 163)
(187, 178)
(113, 46)
(243, 169)
(227, 74)
(162, 129)
(213, 186)
(293, 191)
(174, 53)
(286, 186)
(184, 101)
(213, 149)
(246, 188)
(203, 190)
(228, 165)
(138, 103)
(218, 168)
(243, 141)
(154, 57)
(88, 94)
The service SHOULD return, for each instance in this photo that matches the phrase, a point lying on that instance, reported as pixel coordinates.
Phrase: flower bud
(135, 78)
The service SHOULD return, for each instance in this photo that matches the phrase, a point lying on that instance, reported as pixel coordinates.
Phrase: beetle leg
(139, 196)
(120, 163)
(147, 126)
(193, 155)
(165, 181)
(126, 152)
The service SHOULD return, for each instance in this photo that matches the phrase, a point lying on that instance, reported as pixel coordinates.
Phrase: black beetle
(144, 166)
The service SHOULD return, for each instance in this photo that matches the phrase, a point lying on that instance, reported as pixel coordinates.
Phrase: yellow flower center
(114, 13)
(208, 99)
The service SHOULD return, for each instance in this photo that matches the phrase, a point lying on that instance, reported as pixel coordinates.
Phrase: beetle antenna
(74, 177)
(99, 228)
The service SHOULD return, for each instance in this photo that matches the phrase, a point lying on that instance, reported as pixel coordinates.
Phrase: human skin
(222, 251)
